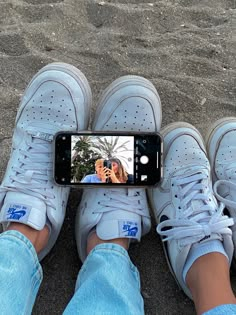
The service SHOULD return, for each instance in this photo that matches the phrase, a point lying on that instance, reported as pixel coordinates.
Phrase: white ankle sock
(201, 249)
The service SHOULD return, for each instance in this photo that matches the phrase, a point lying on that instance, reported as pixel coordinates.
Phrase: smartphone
(87, 159)
(107, 164)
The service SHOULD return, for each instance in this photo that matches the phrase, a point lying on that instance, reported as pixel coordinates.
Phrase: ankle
(39, 239)
(201, 249)
(94, 240)
(209, 282)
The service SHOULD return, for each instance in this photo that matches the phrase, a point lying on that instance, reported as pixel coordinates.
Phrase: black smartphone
(108, 164)
(107, 158)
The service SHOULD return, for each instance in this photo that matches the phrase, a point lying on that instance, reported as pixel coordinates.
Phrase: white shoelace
(118, 201)
(32, 177)
(195, 224)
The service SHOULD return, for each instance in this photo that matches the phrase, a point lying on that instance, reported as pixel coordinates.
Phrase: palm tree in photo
(83, 158)
(83, 142)
(108, 149)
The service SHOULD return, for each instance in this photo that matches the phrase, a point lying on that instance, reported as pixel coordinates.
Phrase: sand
(185, 47)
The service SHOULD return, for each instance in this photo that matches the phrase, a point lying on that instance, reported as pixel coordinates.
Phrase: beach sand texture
(185, 47)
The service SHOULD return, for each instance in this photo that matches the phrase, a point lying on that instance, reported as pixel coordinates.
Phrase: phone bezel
(108, 133)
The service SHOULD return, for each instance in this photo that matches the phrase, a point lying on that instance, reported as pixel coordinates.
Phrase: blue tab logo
(16, 212)
(129, 228)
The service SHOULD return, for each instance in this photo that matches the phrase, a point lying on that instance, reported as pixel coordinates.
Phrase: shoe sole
(121, 83)
(73, 72)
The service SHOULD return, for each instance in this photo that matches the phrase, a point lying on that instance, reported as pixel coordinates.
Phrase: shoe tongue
(23, 208)
(117, 224)
(210, 238)
(42, 135)
(41, 131)
(196, 204)
(125, 191)
(190, 170)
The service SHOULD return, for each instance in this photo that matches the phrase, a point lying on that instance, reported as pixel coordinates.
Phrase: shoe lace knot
(197, 214)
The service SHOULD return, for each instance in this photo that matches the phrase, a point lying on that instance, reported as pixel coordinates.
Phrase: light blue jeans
(108, 282)
(108, 265)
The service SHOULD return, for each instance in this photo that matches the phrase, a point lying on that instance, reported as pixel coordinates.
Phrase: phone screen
(101, 159)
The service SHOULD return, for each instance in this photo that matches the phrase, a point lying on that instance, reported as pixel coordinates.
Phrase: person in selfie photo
(98, 176)
(115, 174)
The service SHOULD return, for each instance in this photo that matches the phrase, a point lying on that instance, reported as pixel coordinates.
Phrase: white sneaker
(129, 103)
(58, 98)
(221, 146)
(184, 205)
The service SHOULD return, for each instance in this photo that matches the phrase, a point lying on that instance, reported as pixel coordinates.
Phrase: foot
(57, 98)
(221, 146)
(129, 103)
(185, 208)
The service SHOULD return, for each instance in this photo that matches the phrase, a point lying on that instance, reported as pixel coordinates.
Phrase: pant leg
(20, 274)
(226, 309)
(108, 283)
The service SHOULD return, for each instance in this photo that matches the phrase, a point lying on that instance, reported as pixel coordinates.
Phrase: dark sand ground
(185, 47)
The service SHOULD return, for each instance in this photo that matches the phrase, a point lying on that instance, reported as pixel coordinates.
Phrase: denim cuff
(112, 249)
(27, 247)
(111, 246)
(225, 309)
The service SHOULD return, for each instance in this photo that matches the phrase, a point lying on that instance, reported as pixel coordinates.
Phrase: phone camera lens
(144, 141)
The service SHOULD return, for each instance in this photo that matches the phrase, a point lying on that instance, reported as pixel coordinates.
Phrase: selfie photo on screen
(102, 159)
